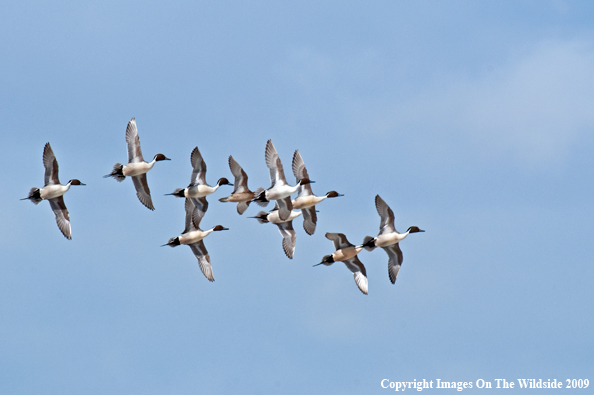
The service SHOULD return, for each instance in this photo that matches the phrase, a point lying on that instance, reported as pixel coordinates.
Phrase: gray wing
(300, 172)
(359, 273)
(133, 142)
(51, 166)
(386, 214)
(203, 259)
(198, 168)
(309, 219)
(242, 206)
(285, 206)
(241, 178)
(189, 206)
(200, 207)
(395, 259)
(277, 174)
(289, 237)
(339, 239)
(62, 217)
(193, 215)
(142, 190)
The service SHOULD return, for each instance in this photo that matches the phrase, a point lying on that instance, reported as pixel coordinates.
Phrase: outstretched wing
(241, 178)
(386, 214)
(201, 254)
(200, 205)
(62, 217)
(309, 219)
(289, 237)
(395, 259)
(359, 273)
(300, 172)
(285, 206)
(193, 214)
(277, 174)
(51, 166)
(142, 190)
(242, 206)
(198, 168)
(339, 239)
(133, 142)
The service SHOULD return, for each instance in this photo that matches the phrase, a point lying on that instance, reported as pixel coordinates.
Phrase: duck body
(137, 168)
(54, 190)
(346, 253)
(194, 236)
(388, 239)
(195, 191)
(274, 217)
(303, 202)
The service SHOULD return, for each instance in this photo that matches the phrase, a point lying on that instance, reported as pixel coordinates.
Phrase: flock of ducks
(282, 215)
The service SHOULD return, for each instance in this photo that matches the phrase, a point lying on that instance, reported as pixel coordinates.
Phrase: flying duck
(388, 238)
(306, 200)
(347, 253)
(193, 236)
(198, 187)
(279, 189)
(136, 167)
(241, 193)
(53, 191)
(285, 227)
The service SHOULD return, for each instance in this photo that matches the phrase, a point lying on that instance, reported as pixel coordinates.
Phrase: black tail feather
(34, 196)
(117, 172)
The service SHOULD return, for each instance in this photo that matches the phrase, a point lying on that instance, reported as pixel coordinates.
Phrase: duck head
(159, 157)
(173, 242)
(326, 260)
(414, 229)
(223, 181)
(333, 194)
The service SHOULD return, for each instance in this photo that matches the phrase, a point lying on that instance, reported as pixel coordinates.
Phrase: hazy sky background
(472, 120)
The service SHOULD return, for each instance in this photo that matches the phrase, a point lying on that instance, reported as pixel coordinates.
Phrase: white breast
(307, 201)
(389, 239)
(193, 236)
(137, 168)
(275, 219)
(198, 191)
(53, 191)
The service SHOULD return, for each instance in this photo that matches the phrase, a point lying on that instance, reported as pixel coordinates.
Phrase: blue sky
(473, 121)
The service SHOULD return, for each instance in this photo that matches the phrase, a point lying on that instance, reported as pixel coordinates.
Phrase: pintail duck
(136, 167)
(285, 227)
(279, 189)
(241, 193)
(198, 187)
(53, 191)
(388, 238)
(347, 253)
(306, 200)
(193, 236)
